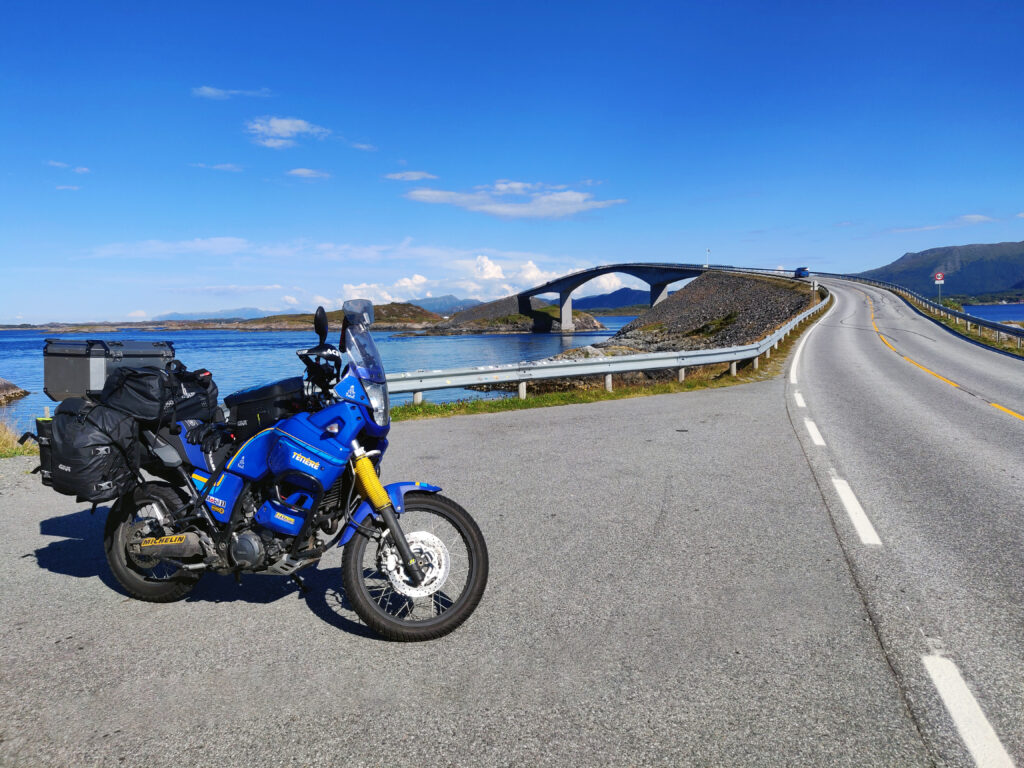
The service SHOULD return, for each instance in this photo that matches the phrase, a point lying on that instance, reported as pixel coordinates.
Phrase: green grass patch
(716, 325)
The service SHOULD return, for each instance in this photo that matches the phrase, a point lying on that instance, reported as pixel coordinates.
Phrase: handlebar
(322, 374)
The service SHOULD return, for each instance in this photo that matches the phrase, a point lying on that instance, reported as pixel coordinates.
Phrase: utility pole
(707, 259)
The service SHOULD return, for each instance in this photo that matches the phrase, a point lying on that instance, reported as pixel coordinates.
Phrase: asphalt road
(673, 582)
(927, 429)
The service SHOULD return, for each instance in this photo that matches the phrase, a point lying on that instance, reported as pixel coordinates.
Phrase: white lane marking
(856, 512)
(970, 721)
(812, 430)
(799, 400)
(800, 346)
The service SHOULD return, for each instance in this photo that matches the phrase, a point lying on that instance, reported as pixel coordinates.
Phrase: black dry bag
(157, 396)
(93, 453)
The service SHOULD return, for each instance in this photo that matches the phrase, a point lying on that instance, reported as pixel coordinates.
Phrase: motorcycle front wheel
(449, 548)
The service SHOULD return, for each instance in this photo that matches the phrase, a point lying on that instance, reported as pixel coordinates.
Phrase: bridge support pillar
(522, 390)
(565, 305)
(608, 382)
(659, 292)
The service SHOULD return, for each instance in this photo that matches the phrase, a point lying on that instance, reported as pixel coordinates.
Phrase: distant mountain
(624, 297)
(245, 313)
(444, 305)
(969, 269)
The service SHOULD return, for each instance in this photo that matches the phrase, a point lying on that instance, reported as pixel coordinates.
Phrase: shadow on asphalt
(79, 553)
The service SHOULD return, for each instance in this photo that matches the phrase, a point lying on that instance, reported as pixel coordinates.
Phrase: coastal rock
(9, 392)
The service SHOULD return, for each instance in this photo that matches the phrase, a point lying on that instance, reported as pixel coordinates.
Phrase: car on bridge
(801, 272)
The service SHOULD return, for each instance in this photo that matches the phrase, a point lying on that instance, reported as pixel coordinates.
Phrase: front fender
(396, 492)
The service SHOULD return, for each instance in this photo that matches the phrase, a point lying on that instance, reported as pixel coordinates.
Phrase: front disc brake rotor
(430, 553)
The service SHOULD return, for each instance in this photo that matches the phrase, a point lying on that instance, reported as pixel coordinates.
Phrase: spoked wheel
(449, 548)
(135, 518)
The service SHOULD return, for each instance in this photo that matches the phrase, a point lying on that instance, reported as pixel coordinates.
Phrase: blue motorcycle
(414, 565)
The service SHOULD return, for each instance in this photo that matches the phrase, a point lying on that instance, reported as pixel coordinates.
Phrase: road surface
(675, 581)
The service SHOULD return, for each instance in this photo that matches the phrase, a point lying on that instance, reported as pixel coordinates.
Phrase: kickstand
(302, 584)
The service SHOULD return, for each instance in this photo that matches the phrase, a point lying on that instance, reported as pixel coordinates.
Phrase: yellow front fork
(370, 488)
(369, 484)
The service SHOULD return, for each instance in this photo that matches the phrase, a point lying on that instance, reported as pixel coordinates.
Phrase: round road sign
(940, 276)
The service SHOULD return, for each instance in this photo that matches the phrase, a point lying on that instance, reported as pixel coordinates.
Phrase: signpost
(940, 278)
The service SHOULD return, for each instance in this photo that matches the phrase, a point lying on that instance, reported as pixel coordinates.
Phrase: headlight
(378, 394)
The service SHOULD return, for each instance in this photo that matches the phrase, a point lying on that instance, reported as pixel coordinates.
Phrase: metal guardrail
(906, 293)
(418, 382)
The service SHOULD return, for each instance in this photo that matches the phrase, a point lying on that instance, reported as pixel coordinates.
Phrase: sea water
(997, 313)
(240, 359)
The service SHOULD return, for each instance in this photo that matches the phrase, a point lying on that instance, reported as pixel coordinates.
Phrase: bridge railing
(521, 373)
(969, 320)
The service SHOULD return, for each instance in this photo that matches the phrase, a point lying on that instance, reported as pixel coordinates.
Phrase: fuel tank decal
(305, 460)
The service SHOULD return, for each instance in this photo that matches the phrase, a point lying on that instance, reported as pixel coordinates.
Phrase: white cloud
(531, 274)
(68, 187)
(411, 284)
(486, 269)
(602, 284)
(960, 221)
(308, 173)
(1020, 215)
(362, 147)
(410, 176)
(291, 300)
(516, 200)
(280, 132)
(81, 169)
(56, 163)
(219, 94)
(230, 167)
(138, 314)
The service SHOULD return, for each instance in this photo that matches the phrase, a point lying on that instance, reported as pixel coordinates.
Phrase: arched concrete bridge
(658, 276)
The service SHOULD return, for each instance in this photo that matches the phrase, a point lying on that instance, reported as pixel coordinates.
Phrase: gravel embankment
(715, 310)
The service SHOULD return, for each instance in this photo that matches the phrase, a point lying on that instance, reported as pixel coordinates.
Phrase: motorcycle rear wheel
(160, 583)
(453, 555)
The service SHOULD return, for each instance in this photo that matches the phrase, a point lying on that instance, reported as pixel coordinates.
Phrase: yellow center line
(871, 307)
(1007, 410)
(933, 373)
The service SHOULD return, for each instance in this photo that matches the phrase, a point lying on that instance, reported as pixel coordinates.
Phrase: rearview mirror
(320, 324)
(358, 311)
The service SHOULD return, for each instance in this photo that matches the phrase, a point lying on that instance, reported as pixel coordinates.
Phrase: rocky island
(514, 315)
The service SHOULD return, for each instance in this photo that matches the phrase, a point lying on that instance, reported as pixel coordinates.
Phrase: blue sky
(200, 156)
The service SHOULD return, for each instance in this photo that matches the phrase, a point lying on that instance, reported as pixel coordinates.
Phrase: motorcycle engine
(247, 550)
